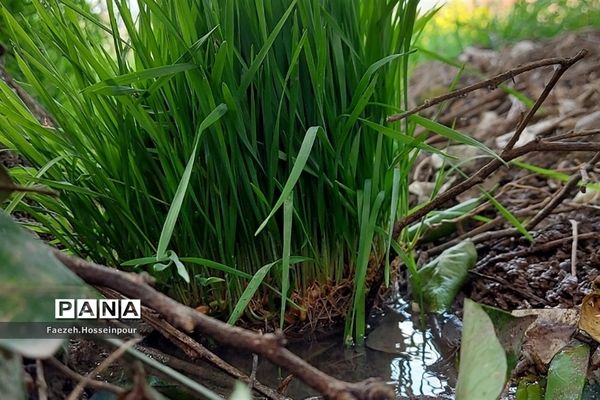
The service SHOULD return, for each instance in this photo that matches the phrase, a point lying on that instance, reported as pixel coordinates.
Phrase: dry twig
(491, 83)
(269, 346)
(574, 248)
(40, 380)
(508, 153)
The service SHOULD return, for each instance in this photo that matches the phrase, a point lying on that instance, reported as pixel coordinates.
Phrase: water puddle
(420, 363)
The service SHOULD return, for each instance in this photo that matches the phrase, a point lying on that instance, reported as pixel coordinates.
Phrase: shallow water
(419, 363)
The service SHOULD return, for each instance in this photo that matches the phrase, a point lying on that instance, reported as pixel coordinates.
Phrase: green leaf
(434, 227)
(508, 216)
(482, 369)
(303, 154)
(452, 134)
(391, 222)
(217, 266)
(249, 292)
(528, 391)
(159, 267)
(567, 372)
(115, 85)
(23, 299)
(7, 186)
(181, 269)
(288, 213)
(510, 331)
(241, 392)
(446, 274)
(211, 280)
(143, 261)
(173, 214)
(260, 57)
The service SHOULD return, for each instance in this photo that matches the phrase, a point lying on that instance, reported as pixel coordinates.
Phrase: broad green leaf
(510, 331)
(567, 372)
(23, 299)
(445, 275)
(301, 159)
(482, 370)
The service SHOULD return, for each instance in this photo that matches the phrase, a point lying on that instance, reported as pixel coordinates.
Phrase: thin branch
(488, 169)
(191, 369)
(493, 82)
(196, 350)
(24, 189)
(193, 349)
(574, 247)
(40, 379)
(576, 134)
(539, 248)
(525, 293)
(562, 194)
(269, 346)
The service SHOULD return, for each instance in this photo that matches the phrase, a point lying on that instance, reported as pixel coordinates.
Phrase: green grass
(182, 135)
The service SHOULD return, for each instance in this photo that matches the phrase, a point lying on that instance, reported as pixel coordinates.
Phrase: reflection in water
(414, 373)
(420, 363)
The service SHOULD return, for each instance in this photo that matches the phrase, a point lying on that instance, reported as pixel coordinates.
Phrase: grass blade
(301, 159)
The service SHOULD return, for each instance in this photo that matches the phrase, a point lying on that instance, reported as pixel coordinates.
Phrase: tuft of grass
(183, 132)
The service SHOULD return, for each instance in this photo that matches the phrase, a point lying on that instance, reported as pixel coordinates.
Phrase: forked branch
(508, 153)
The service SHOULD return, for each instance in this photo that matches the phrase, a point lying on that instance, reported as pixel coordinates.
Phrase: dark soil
(510, 273)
